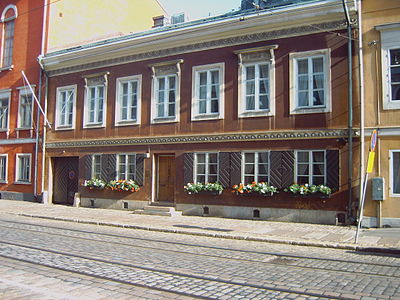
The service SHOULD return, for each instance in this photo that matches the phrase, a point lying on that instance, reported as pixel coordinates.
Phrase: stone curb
(342, 246)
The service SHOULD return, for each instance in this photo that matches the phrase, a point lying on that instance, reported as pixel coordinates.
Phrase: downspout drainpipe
(350, 108)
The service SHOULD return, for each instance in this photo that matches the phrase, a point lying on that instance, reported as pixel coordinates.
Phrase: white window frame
(391, 173)
(4, 168)
(22, 93)
(126, 166)
(6, 94)
(118, 105)
(206, 163)
(96, 81)
(310, 164)
(256, 165)
(155, 98)
(4, 22)
(293, 58)
(17, 171)
(195, 115)
(94, 164)
(60, 90)
(270, 111)
(390, 40)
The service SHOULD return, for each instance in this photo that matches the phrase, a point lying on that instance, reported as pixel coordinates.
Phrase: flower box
(255, 189)
(255, 194)
(314, 196)
(210, 193)
(309, 191)
(214, 189)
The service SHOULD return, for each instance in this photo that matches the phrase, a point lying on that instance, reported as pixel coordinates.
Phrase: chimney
(158, 21)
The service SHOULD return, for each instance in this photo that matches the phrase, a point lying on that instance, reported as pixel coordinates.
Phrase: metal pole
(362, 207)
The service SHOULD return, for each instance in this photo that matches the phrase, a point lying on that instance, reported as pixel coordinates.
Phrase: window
(208, 92)
(206, 167)
(390, 54)
(25, 109)
(126, 166)
(95, 100)
(96, 166)
(255, 167)
(395, 173)
(128, 100)
(310, 167)
(23, 168)
(310, 82)
(65, 107)
(3, 168)
(8, 19)
(4, 105)
(166, 91)
(256, 81)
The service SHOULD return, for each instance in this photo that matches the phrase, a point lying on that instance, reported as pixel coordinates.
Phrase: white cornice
(262, 22)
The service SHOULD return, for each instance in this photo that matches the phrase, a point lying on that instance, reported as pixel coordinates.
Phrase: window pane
(214, 106)
(303, 169)
(395, 74)
(201, 169)
(318, 97)
(8, 43)
(249, 158)
(302, 66)
(318, 180)
(263, 86)
(262, 178)
(250, 73)
(250, 103)
(201, 178)
(264, 71)
(203, 92)
(318, 169)
(318, 65)
(248, 179)
(396, 92)
(213, 158)
(303, 83)
(212, 169)
(318, 156)
(302, 179)
(262, 169)
(161, 83)
(212, 179)
(396, 172)
(303, 156)
(264, 102)
(249, 169)
(201, 158)
(202, 107)
(263, 157)
(215, 77)
(203, 78)
(394, 57)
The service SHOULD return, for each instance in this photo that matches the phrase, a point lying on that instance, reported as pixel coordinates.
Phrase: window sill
(164, 120)
(8, 68)
(22, 182)
(316, 110)
(203, 117)
(3, 129)
(389, 105)
(23, 128)
(255, 113)
(90, 126)
(127, 123)
(3, 182)
(64, 128)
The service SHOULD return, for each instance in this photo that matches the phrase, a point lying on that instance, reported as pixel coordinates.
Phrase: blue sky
(197, 9)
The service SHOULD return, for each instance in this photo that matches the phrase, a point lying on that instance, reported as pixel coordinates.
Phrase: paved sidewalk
(379, 240)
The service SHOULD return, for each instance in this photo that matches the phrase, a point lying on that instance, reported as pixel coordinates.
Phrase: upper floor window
(390, 54)
(8, 19)
(208, 92)
(95, 100)
(4, 109)
(395, 173)
(25, 109)
(206, 167)
(128, 100)
(256, 81)
(310, 167)
(166, 91)
(310, 82)
(23, 168)
(65, 107)
(126, 166)
(255, 167)
(3, 168)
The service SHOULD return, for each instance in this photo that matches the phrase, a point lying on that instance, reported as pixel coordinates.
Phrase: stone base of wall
(112, 203)
(268, 214)
(371, 222)
(17, 196)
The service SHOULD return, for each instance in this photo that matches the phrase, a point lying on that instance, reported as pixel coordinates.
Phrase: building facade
(253, 96)
(381, 61)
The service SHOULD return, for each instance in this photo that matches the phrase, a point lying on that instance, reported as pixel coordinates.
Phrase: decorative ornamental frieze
(239, 40)
(240, 137)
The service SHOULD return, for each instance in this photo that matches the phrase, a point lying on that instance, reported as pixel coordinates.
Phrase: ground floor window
(96, 169)
(255, 167)
(3, 168)
(126, 166)
(395, 172)
(310, 167)
(23, 168)
(206, 167)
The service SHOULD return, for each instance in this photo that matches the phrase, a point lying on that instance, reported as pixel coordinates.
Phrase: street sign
(374, 138)
(370, 165)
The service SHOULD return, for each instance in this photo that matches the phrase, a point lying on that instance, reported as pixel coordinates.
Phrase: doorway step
(159, 209)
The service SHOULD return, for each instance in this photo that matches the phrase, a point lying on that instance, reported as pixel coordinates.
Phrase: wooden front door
(166, 178)
(65, 183)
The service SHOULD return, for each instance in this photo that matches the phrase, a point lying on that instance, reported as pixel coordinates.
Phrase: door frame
(157, 173)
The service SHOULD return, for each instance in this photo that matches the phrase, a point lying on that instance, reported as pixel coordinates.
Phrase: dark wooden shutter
(224, 169)
(281, 168)
(108, 167)
(188, 161)
(332, 169)
(139, 172)
(236, 168)
(87, 167)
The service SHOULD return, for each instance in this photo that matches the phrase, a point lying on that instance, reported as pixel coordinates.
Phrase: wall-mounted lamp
(147, 155)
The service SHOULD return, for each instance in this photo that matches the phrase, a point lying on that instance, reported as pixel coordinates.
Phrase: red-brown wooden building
(247, 96)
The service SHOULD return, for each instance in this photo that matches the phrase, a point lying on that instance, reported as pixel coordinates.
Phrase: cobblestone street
(43, 259)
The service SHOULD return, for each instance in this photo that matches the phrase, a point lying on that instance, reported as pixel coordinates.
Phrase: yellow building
(76, 22)
(381, 62)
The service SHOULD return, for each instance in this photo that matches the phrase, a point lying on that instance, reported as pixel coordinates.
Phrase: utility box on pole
(378, 188)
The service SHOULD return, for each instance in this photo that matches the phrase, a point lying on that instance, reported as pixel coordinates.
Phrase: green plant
(123, 185)
(262, 188)
(95, 183)
(306, 189)
(195, 188)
